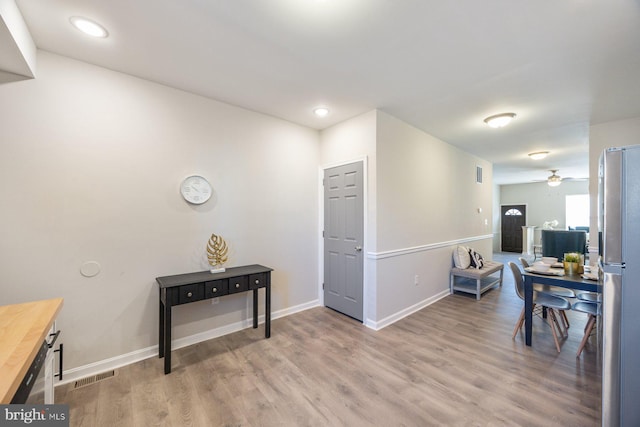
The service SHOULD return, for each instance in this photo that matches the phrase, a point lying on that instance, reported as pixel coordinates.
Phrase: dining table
(553, 277)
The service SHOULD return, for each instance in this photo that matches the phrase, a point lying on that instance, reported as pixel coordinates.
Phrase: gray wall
(543, 203)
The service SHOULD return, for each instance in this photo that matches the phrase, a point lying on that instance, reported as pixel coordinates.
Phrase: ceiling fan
(554, 179)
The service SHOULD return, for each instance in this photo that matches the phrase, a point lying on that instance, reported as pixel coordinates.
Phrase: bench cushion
(489, 267)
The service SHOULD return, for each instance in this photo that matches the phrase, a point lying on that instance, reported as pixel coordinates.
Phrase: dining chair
(593, 310)
(589, 296)
(552, 290)
(550, 302)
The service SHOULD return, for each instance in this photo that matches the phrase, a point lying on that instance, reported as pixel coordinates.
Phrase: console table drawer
(238, 284)
(190, 293)
(216, 288)
(257, 280)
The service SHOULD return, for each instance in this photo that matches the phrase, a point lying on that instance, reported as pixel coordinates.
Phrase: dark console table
(191, 287)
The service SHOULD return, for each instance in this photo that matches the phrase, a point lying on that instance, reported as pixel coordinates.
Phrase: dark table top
(574, 281)
(206, 276)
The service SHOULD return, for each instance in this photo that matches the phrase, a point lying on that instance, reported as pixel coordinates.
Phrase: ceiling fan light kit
(554, 180)
(499, 120)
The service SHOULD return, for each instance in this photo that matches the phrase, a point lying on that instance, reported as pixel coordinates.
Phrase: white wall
(543, 203)
(496, 218)
(349, 141)
(427, 199)
(91, 161)
(612, 134)
(422, 200)
(90, 165)
(354, 140)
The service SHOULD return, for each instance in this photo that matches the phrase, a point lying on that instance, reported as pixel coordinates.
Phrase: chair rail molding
(428, 247)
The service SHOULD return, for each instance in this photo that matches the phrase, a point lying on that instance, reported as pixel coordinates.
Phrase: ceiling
(442, 66)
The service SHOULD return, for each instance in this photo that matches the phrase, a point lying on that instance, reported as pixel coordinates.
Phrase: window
(513, 212)
(577, 210)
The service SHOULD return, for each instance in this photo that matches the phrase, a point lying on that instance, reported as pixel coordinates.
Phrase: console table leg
(161, 331)
(267, 311)
(167, 339)
(255, 308)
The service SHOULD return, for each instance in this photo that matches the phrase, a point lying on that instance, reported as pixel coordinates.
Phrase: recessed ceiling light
(538, 155)
(321, 111)
(499, 120)
(88, 27)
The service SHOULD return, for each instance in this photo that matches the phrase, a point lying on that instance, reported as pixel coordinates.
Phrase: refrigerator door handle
(611, 310)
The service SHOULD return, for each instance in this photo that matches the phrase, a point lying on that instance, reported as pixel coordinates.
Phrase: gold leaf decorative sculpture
(217, 250)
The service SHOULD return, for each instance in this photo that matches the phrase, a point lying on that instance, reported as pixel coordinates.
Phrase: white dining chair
(550, 302)
(593, 310)
(552, 290)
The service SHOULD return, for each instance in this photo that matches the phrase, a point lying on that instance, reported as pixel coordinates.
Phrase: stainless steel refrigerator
(619, 232)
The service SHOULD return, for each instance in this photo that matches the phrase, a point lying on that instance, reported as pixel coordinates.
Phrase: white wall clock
(195, 189)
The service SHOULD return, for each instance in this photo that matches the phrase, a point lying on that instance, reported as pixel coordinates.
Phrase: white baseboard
(406, 312)
(146, 353)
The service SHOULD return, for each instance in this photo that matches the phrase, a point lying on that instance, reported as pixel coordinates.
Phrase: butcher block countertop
(23, 328)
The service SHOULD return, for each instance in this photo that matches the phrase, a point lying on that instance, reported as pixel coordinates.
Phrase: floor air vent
(93, 379)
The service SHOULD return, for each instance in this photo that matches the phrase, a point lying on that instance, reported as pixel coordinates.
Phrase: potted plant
(572, 263)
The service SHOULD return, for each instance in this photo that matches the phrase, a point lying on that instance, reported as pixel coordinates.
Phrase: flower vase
(571, 268)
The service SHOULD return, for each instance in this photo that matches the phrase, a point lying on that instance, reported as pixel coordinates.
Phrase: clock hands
(199, 190)
(196, 190)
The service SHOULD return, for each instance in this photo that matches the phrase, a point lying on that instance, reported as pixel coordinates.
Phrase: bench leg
(451, 278)
(501, 272)
(478, 283)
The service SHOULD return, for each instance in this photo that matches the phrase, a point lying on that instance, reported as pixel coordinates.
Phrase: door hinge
(323, 286)
(323, 233)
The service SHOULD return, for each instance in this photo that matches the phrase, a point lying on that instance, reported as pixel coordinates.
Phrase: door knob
(358, 248)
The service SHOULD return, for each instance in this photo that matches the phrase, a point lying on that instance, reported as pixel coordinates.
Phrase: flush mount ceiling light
(554, 180)
(88, 27)
(538, 155)
(499, 120)
(321, 111)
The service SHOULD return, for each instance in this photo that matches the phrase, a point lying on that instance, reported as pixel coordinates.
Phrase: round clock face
(195, 189)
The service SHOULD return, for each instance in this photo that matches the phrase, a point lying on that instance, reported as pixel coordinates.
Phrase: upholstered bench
(476, 280)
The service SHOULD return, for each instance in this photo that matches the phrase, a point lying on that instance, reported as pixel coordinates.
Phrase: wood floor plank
(117, 409)
(452, 363)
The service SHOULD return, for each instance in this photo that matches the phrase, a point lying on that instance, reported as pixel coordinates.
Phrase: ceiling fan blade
(570, 178)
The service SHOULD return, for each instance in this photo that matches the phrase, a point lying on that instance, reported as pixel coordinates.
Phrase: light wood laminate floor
(450, 364)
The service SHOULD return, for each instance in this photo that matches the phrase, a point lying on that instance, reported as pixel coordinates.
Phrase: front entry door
(343, 238)
(513, 218)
